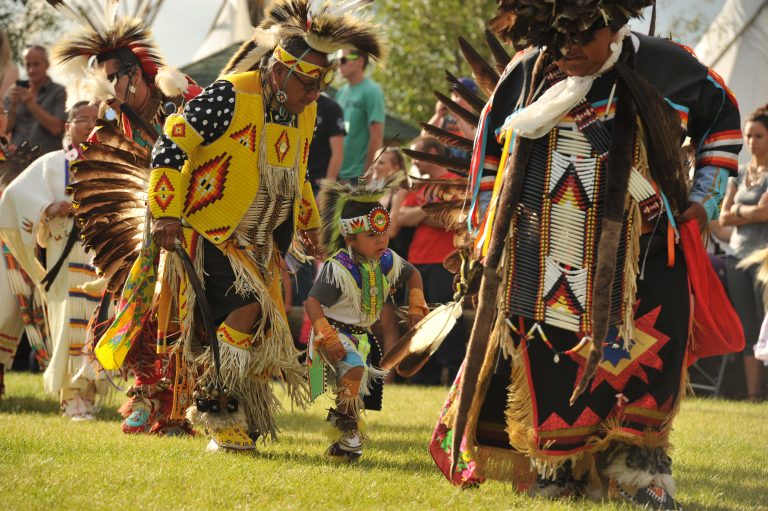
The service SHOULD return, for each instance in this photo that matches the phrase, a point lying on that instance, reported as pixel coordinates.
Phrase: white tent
(231, 25)
(736, 47)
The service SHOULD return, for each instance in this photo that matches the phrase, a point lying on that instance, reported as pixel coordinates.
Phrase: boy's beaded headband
(377, 220)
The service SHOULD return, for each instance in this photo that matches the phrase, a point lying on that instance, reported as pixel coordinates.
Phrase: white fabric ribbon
(537, 119)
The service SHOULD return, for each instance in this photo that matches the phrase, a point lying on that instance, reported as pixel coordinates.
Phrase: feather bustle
(470, 117)
(457, 165)
(476, 102)
(447, 138)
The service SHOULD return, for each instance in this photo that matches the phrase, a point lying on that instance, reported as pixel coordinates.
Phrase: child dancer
(347, 299)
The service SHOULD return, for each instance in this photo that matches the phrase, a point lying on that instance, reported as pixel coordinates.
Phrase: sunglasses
(348, 58)
(309, 88)
(588, 35)
(113, 77)
(318, 84)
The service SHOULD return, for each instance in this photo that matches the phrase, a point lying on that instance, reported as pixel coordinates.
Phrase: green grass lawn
(48, 462)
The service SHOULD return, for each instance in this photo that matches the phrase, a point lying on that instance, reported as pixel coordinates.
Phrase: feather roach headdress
(128, 40)
(324, 27)
(547, 23)
(334, 197)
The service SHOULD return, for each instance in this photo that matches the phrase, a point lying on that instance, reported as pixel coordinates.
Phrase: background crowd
(349, 145)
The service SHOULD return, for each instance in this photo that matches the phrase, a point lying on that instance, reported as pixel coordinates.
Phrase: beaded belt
(353, 329)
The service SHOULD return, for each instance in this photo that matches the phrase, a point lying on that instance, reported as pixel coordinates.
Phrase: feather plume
(171, 81)
(447, 138)
(475, 101)
(457, 165)
(67, 10)
(443, 189)
(470, 117)
(543, 23)
(249, 55)
(16, 162)
(90, 40)
(109, 191)
(485, 75)
(500, 55)
(98, 86)
(107, 133)
(450, 214)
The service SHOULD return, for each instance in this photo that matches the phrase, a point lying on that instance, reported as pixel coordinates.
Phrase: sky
(181, 26)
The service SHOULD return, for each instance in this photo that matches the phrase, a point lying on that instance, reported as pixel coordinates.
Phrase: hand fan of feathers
(110, 198)
(420, 342)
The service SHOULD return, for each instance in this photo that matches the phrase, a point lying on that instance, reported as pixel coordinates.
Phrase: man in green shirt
(363, 103)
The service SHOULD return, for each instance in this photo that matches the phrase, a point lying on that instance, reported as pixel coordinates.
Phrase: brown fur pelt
(617, 179)
(663, 134)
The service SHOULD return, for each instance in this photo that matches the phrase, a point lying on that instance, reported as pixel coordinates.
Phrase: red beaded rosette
(378, 219)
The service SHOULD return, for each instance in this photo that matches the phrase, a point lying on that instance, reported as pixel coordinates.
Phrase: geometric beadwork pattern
(569, 189)
(179, 129)
(570, 201)
(305, 212)
(643, 350)
(164, 192)
(580, 176)
(233, 338)
(207, 184)
(217, 234)
(246, 137)
(298, 65)
(282, 146)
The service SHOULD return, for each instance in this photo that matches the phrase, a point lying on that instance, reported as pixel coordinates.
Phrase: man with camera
(36, 107)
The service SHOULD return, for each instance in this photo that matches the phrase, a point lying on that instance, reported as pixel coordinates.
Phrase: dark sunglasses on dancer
(588, 35)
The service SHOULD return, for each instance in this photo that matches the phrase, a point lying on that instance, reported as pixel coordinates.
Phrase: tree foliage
(422, 37)
(687, 23)
(28, 22)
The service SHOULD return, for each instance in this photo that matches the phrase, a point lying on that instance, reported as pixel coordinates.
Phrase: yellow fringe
(505, 465)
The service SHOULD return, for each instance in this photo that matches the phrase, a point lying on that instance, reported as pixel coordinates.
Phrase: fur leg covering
(634, 467)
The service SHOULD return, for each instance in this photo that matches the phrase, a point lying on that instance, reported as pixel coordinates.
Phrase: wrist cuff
(165, 193)
(325, 335)
(416, 303)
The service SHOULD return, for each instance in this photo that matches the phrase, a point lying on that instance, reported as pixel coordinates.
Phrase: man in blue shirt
(363, 103)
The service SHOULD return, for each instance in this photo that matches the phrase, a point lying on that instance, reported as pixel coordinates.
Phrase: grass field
(48, 462)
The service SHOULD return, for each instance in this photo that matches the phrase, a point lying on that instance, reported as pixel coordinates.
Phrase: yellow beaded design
(166, 188)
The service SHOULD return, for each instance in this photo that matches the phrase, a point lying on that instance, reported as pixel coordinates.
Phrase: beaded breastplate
(556, 227)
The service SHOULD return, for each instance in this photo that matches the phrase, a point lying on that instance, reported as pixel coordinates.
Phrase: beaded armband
(181, 133)
(166, 192)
